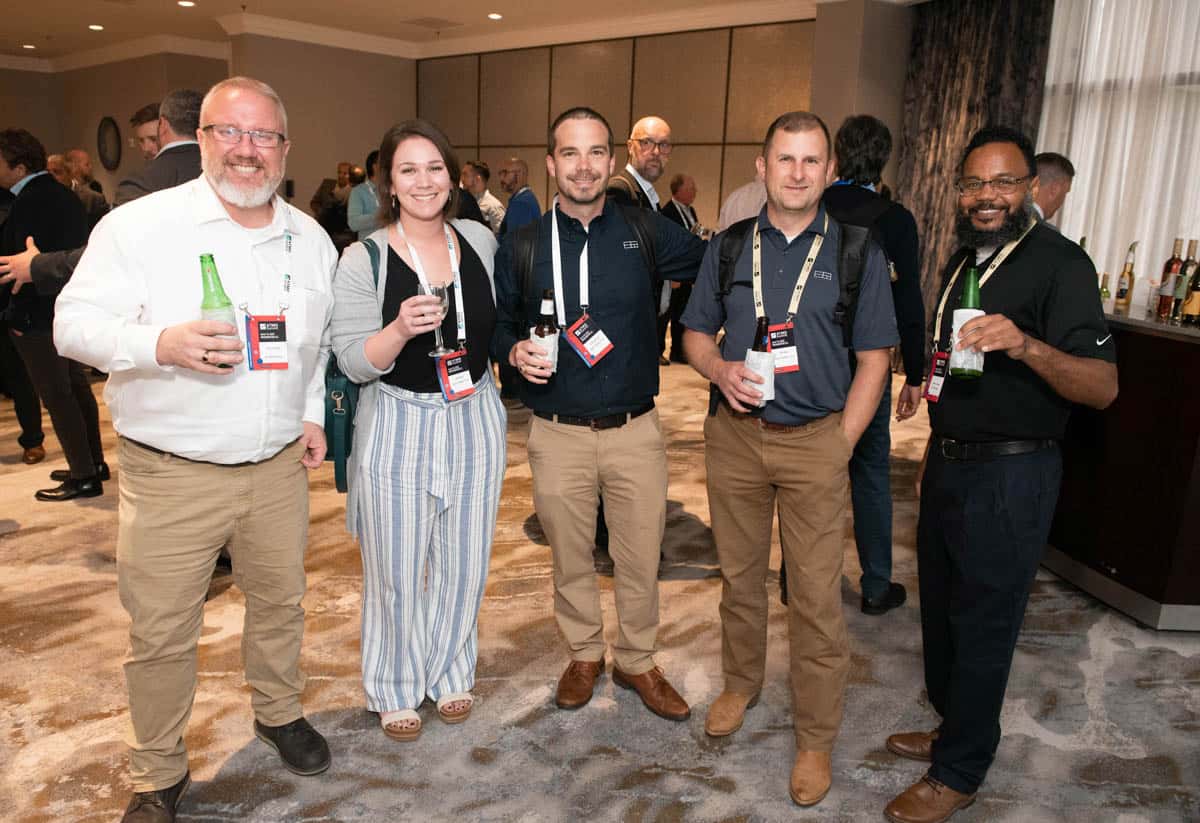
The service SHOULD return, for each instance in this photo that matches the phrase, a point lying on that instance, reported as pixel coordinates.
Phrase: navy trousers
(980, 537)
(871, 496)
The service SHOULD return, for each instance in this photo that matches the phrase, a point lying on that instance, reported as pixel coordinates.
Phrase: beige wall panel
(739, 168)
(837, 51)
(681, 78)
(595, 75)
(449, 96)
(339, 102)
(770, 73)
(704, 164)
(888, 28)
(114, 90)
(30, 100)
(516, 97)
(496, 157)
(197, 73)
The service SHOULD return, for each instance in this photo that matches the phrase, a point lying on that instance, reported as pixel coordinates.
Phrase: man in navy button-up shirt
(595, 430)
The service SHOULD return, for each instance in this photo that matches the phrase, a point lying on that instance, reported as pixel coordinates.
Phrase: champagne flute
(442, 292)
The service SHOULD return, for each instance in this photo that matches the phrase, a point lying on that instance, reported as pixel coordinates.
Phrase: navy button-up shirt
(620, 302)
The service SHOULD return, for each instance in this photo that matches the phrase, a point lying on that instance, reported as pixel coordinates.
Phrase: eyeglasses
(648, 143)
(971, 186)
(233, 135)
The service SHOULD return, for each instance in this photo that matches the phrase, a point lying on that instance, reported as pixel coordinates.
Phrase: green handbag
(341, 400)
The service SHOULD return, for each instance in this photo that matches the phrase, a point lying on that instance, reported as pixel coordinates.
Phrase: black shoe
(893, 597)
(59, 475)
(662, 361)
(69, 489)
(159, 806)
(300, 746)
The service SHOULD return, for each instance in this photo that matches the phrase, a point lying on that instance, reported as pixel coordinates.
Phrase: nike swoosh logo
(1102, 340)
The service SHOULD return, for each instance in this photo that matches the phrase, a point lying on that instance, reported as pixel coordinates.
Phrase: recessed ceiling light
(96, 27)
(187, 4)
(28, 46)
(495, 16)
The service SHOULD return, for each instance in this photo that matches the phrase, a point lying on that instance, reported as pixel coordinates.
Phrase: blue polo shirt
(823, 380)
(620, 301)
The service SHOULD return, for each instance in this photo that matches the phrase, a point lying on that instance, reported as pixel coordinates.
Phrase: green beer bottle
(215, 305)
(966, 363)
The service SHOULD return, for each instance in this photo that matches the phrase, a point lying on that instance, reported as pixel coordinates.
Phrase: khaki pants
(571, 466)
(806, 471)
(175, 516)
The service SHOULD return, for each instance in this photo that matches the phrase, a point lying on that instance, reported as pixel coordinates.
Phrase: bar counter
(1127, 526)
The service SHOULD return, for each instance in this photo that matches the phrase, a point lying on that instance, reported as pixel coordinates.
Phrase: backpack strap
(373, 253)
(733, 240)
(524, 248)
(852, 257)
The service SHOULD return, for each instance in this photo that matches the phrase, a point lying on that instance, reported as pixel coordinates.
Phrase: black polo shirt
(1047, 287)
(620, 302)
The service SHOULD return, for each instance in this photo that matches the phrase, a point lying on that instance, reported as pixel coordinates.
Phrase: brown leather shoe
(656, 693)
(727, 712)
(812, 775)
(926, 801)
(33, 454)
(913, 745)
(577, 683)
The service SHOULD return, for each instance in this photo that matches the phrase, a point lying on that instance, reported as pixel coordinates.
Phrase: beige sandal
(455, 708)
(403, 724)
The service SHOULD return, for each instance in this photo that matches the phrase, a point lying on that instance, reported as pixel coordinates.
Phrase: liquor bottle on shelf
(1166, 287)
(1105, 294)
(1191, 306)
(1183, 284)
(1083, 242)
(1125, 282)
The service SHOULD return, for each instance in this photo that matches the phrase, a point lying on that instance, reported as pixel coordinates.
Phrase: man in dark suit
(54, 217)
(14, 380)
(679, 209)
(178, 161)
(649, 150)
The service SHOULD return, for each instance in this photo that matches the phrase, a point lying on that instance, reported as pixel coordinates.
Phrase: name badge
(937, 376)
(782, 342)
(454, 376)
(588, 340)
(266, 340)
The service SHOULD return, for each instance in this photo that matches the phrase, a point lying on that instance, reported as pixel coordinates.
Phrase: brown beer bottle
(762, 335)
(546, 325)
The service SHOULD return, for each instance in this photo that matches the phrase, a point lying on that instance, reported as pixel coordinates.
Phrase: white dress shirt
(647, 186)
(141, 273)
(745, 201)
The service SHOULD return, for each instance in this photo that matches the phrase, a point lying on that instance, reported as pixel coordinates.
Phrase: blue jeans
(871, 496)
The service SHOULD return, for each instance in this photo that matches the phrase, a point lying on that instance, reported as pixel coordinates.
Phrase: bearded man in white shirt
(213, 444)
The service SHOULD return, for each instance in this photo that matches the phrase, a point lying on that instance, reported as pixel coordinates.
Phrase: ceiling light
(28, 46)
(187, 4)
(495, 16)
(96, 27)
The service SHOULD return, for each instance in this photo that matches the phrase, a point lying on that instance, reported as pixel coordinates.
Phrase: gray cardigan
(358, 314)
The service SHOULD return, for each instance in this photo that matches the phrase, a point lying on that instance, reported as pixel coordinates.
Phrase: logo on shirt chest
(631, 244)
(823, 275)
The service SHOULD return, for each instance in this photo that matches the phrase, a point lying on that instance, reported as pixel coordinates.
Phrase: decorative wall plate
(108, 143)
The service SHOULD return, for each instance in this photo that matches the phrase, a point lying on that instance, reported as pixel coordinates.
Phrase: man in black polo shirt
(595, 430)
(991, 484)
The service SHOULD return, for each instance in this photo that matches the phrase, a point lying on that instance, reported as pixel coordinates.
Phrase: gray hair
(250, 84)
(181, 110)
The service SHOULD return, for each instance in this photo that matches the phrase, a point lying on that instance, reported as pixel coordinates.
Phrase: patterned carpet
(1101, 723)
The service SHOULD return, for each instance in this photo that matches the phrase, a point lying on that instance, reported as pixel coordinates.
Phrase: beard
(1015, 223)
(241, 195)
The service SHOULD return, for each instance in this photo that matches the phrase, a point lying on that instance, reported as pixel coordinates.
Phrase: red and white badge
(588, 340)
(937, 376)
(782, 343)
(454, 376)
(266, 340)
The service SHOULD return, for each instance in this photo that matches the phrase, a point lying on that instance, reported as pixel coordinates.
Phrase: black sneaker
(892, 598)
(159, 806)
(301, 747)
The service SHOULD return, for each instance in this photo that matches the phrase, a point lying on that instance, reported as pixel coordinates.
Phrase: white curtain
(1123, 103)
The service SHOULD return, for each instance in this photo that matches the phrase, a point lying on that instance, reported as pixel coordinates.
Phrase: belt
(960, 450)
(153, 450)
(610, 421)
(767, 425)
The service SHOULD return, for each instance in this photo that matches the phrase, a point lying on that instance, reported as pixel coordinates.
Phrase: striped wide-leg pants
(430, 488)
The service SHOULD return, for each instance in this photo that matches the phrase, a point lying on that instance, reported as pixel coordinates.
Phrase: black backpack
(525, 242)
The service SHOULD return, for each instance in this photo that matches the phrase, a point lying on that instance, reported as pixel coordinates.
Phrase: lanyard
(287, 278)
(556, 260)
(460, 311)
(987, 275)
(756, 273)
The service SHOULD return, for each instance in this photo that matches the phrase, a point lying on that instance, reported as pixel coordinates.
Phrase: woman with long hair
(428, 456)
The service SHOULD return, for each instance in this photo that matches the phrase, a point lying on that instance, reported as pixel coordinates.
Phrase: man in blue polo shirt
(594, 429)
(796, 448)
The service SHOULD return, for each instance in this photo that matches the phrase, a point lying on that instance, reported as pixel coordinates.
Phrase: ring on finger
(204, 357)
